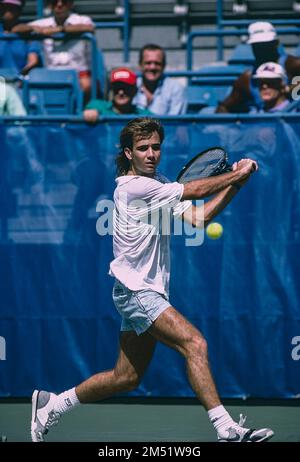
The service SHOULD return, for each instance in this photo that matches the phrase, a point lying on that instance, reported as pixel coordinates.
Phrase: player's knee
(131, 381)
(198, 345)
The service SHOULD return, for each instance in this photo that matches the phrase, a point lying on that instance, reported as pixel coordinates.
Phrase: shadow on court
(134, 421)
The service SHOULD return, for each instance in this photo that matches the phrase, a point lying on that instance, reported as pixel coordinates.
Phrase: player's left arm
(200, 216)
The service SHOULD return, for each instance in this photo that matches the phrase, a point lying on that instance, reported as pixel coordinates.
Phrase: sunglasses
(272, 83)
(128, 89)
(64, 2)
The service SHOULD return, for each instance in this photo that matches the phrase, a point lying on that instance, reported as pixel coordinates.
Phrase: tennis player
(141, 269)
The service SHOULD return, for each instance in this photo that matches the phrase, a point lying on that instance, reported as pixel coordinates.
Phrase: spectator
(16, 54)
(265, 46)
(10, 102)
(66, 54)
(271, 80)
(123, 89)
(160, 94)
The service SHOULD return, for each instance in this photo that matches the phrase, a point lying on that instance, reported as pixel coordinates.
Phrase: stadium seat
(206, 95)
(219, 71)
(242, 54)
(9, 74)
(49, 91)
(225, 69)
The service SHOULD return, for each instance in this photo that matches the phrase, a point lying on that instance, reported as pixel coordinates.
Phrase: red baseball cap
(123, 74)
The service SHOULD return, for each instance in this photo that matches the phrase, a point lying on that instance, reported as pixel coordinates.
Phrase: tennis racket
(210, 162)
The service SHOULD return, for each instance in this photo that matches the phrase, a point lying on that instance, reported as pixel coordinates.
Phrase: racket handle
(254, 166)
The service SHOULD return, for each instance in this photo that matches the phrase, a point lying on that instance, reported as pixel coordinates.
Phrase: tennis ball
(214, 230)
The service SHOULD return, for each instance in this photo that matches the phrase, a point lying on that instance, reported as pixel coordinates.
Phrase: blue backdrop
(56, 313)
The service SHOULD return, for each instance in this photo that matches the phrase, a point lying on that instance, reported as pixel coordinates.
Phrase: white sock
(66, 401)
(220, 418)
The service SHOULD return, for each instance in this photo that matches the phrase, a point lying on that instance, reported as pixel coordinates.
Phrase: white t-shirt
(141, 239)
(69, 54)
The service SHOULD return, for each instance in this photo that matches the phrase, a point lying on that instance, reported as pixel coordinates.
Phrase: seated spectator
(271, 80)
(265, 46)
(10, 102)
(16, 54)
(123, 90)
(66, 54)
(160, 94)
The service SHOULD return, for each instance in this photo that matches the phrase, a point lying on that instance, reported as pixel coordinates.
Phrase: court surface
(159, 420)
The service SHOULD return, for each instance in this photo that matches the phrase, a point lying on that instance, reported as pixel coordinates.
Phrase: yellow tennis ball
(214, 230)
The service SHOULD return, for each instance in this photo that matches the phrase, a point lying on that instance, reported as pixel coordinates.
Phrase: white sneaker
(238, 434)
(43, 416)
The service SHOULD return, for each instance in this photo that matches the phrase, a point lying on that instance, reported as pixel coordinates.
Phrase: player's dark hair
(152, 47)
(136, 130)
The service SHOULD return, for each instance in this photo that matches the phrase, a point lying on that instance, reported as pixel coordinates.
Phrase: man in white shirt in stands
(141, 267)
(65, 54)
(159, 94)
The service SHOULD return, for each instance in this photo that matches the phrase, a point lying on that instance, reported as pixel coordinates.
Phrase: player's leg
(134, 356)
(175, 331)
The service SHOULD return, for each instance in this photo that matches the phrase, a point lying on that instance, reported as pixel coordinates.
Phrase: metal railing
(225, 33)
(242, 23)
(63, 119)
(122, 24)
(86, 36)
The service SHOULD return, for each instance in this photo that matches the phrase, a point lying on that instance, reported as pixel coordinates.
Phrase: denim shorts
(138, 309)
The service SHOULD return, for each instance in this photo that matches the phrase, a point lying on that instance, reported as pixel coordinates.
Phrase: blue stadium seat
(206, 95)
(49, 91)
(9, 74)
(242, 54)
(218, 71)
(223, 70)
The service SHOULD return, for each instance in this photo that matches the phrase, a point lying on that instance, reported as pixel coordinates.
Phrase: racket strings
(211, 162)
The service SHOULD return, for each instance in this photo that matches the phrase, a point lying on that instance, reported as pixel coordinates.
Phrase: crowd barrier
(58, 324)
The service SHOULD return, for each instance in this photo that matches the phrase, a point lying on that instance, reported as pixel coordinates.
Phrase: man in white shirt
(141, 268)
(66, 54)
(160, 94)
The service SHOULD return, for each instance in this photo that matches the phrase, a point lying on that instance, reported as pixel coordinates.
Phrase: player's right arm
(198, 189)
(200, 216)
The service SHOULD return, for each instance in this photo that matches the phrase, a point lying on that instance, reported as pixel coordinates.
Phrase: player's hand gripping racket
(210, 162)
